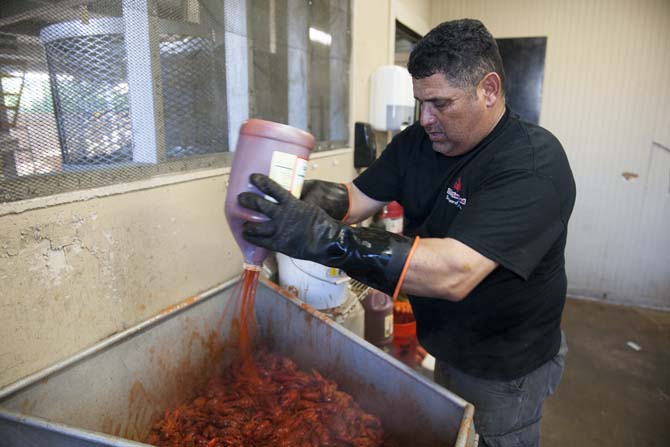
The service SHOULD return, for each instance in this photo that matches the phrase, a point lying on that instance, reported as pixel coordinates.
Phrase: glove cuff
(408, 259)
(372, 256)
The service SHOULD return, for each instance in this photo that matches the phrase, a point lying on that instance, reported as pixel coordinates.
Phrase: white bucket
(317, 285)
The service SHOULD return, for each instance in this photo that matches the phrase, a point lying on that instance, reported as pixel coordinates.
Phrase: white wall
(606, 96)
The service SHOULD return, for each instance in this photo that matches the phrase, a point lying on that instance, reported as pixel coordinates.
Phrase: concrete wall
(78, 267)
(101, 260)
(606, 97)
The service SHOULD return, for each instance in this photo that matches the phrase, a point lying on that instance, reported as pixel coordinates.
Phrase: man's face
(452, 117)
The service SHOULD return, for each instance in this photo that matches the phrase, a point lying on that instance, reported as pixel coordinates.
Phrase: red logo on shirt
(454, 195)
(457, 185)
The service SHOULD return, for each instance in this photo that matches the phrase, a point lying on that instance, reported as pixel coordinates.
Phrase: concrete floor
(610, 394)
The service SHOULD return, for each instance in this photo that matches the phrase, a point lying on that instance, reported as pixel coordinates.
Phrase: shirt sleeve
(513, 219)
(383, 179)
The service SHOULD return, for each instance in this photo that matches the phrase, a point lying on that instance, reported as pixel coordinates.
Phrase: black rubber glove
(305, 231)
(333, 198)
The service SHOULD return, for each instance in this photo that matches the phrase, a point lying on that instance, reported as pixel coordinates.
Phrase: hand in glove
(305, 231)
(333, 198)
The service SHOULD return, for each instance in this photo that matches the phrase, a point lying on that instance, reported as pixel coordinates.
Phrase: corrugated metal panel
(606, 71)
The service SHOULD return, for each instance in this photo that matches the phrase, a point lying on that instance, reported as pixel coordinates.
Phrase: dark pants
(507, 413)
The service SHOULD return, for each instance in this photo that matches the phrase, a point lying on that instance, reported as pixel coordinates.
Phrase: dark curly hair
(463, 50)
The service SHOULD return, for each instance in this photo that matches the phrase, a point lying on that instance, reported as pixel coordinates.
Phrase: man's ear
(491, 87)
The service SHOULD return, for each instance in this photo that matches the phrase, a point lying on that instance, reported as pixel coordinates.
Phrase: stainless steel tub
(110, 394)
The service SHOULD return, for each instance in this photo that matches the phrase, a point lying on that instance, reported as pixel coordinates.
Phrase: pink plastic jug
(276, 150)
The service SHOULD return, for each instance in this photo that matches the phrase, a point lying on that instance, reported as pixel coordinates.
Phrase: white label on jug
(289, 171)
(282, 168)
(388, 325)
(299, 177)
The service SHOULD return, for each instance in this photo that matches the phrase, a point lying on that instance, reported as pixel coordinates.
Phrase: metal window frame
(25, 187)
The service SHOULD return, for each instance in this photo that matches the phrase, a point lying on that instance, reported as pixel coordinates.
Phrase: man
(487, 200)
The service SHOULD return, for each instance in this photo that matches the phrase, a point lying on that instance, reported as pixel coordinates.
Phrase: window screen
(102, 92)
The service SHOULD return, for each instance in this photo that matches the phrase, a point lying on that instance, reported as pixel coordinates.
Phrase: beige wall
(606, 97)
(370, 49)
(78, 267)
(416, 14)
(76, 272)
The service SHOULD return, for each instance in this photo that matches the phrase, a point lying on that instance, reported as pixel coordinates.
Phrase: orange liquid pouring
(243, 320)
(247, 318)
(239, 314)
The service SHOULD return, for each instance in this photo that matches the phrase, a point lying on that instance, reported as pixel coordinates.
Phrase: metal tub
(111, 393)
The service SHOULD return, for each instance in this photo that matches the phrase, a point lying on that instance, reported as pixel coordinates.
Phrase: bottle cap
(393, 210)
(277, 131)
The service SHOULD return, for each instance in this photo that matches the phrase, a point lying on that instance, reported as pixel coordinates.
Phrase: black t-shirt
(509, 199)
